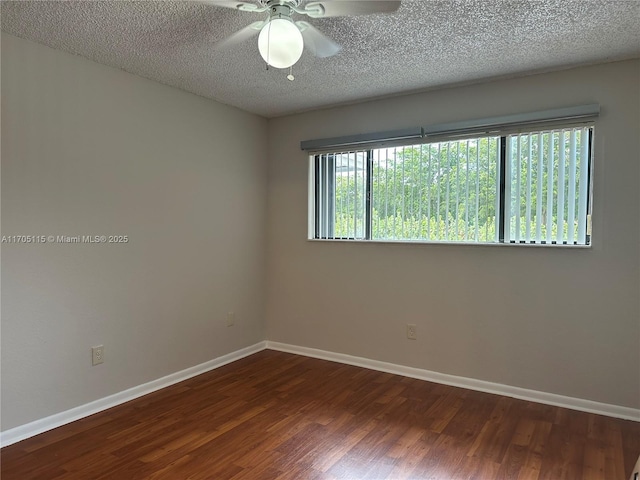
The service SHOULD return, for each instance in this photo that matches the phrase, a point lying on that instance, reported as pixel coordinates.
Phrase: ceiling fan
(281, 39)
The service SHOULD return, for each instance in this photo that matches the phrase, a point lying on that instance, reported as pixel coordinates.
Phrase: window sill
(467, 244)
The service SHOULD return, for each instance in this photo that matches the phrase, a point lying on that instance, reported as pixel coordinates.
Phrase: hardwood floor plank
(536, 447)
(512, 462)
(277, 416)
(594, 461)
(442, 460)
(343, 441)
(564, 455)
(631, 445)
(473, 468)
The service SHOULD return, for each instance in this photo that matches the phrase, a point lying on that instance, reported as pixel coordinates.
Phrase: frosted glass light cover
(280, 43)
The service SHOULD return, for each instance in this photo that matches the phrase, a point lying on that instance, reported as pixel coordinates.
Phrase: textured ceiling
(425, 44)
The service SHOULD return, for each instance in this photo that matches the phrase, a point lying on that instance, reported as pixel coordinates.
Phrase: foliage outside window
(531, 188)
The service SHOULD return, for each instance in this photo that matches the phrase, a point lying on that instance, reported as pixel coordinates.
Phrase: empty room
(320, 240)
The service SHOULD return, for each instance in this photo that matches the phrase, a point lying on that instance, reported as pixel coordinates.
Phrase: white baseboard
(469, 383)
(48, 423)
(23, 432)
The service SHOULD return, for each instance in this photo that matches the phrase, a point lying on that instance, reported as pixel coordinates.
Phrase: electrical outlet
(97, 355)
(412, 332)
(231, 319)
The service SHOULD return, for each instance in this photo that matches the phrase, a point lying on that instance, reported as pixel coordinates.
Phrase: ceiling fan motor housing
(287, 7)
(280, 11)
(273, 3)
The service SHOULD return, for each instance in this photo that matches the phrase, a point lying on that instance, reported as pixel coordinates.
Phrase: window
(524, 188)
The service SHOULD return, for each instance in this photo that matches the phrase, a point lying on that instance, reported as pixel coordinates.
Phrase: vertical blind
(341, 195)
(528, 187)
(445, 191)
(547, 186)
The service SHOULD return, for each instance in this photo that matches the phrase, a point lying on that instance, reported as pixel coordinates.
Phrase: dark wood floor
(279, 416)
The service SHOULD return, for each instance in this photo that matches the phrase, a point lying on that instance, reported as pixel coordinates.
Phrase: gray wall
(88, 149)
(564, 321)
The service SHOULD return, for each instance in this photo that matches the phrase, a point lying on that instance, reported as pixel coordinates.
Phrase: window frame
(314, 233)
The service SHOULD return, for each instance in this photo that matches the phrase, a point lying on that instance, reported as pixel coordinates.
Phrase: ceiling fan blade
(244, 6)
(339, 8)
(241, 35)
(316, 41)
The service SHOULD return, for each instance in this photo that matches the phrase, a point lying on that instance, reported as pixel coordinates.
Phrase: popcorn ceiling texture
(425, 44)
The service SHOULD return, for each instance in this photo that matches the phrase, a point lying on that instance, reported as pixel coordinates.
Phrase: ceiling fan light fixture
(280, 43)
